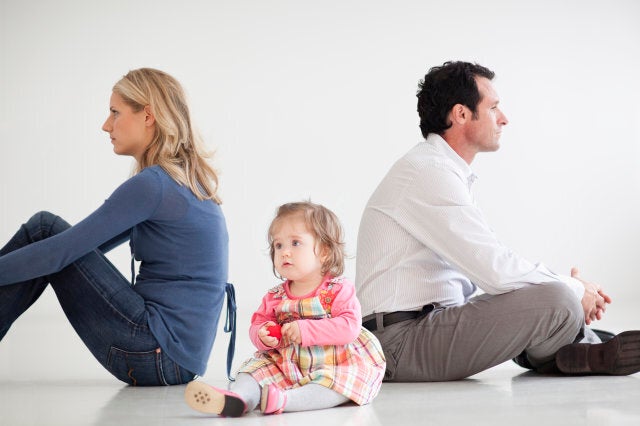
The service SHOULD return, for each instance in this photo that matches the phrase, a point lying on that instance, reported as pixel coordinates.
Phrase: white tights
(308, 397)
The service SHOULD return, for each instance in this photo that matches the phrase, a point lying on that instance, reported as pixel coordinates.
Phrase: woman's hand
(263, 334)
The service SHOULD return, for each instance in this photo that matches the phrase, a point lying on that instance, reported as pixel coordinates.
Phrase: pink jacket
(341, 328)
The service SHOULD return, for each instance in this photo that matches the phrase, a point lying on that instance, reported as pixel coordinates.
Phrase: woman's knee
(45, 224)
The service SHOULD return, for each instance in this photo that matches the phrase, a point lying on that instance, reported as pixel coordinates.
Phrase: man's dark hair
(445, 86)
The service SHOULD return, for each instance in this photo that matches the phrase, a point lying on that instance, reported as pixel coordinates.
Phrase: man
(424, 248)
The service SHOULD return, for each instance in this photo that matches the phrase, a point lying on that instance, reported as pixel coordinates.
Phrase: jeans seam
(159, 368)
(178, 373)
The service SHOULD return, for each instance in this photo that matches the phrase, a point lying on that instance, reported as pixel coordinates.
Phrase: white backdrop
(316, 100)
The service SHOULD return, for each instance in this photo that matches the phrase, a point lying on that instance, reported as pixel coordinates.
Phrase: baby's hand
(291, 333)
(263, 334)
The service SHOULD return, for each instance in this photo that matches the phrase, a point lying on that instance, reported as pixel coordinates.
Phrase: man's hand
(594, 301)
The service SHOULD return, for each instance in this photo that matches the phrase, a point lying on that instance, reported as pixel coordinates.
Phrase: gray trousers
(456, 342)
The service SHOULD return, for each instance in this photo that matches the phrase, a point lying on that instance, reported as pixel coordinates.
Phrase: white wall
(317, 99)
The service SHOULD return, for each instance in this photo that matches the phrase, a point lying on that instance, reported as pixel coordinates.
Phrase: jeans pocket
(137, 368)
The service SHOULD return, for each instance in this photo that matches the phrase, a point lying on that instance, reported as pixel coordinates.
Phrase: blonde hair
(175, 146)
(325, 227)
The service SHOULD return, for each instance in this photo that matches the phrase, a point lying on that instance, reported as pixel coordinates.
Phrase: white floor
(503, 395)
(47, 377)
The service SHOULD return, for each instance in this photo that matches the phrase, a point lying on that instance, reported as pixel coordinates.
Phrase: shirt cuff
(574, 284)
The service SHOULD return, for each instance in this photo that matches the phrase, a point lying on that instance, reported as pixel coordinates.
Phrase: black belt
(399, 316)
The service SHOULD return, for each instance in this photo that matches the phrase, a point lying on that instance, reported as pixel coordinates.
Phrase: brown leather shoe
(618, 356)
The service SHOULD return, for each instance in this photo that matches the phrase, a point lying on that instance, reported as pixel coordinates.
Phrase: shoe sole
(620, 356)
(206, 399)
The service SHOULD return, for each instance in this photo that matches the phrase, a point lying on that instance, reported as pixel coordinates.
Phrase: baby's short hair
(325, 227)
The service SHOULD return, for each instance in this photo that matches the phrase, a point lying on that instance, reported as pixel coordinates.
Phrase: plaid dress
(354, 370)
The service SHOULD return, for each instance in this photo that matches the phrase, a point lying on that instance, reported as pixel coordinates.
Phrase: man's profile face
(483, 131)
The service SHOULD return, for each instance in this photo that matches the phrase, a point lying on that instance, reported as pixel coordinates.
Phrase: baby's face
(294, 251)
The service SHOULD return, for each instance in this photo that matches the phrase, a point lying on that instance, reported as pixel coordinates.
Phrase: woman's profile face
(130, 132)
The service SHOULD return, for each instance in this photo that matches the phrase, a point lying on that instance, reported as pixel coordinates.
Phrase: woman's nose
(107, 125)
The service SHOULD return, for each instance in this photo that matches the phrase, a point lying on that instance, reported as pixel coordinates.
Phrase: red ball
(275, 331)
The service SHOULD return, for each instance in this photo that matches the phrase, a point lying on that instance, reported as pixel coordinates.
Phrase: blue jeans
(108, 315)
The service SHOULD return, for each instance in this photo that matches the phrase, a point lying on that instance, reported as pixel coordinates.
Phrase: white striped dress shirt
(422, 239)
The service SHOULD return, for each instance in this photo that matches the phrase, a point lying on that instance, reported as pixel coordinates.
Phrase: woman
(158, 329)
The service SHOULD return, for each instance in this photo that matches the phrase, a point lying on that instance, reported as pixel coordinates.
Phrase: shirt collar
(444, 148)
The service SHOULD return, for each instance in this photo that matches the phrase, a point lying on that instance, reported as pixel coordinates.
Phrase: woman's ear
(149, 118)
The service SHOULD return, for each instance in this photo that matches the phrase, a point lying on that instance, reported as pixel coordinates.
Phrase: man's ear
(459, 114)
(149, 119)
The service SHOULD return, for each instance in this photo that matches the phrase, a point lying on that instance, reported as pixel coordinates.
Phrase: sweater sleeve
(131, 203)
(343, 326)
(260, 317)
(114, 242)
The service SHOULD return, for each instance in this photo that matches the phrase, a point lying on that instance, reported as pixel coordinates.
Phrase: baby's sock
(248, 388)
